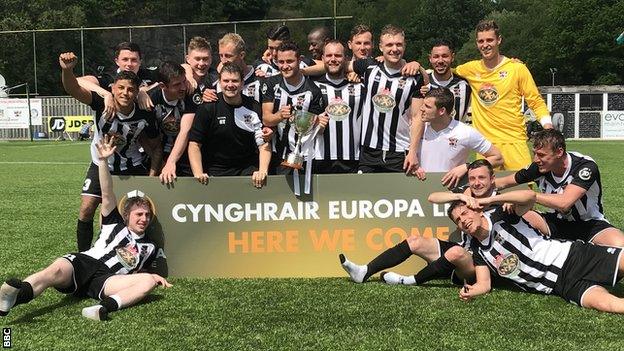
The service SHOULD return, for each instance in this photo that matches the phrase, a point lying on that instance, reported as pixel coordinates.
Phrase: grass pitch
(39, 198)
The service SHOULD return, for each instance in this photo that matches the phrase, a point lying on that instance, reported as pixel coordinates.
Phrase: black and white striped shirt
(341, 139)
(208, 81)
(271, 69)
(126, 130)
(388, 131)
(581, 171)
(121, 250)
(460, 88)
(252, 86)
(305, 96)
(169, 115)
(516, 251)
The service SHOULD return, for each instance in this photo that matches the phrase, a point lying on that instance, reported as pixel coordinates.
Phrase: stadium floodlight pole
(553, 71)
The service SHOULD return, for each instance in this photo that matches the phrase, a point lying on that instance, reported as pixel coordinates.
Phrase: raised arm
(523, 199)
(494, 156)
(67, 61)
(106, 148)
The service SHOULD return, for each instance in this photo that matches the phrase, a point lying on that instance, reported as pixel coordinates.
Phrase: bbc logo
(6, 338)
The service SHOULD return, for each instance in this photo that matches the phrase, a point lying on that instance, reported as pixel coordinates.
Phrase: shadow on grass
(29, 317)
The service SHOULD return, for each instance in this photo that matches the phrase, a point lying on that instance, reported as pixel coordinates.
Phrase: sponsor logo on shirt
(585, 173)
(221, 120)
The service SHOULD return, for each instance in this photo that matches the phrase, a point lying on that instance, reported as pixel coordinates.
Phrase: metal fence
(51, 106)
(95, 45)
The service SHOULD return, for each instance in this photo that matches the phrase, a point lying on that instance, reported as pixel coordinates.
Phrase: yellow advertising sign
(228, 228)
(67, 124)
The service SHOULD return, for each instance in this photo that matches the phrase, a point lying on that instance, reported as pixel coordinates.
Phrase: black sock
(389, 258)
(440, 268)
(25, 294)
(110, 304)
(84, 234)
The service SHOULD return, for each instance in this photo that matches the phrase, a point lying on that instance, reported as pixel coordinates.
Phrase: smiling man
(441, 58)
(571, 186)
(113, 271)
(498, 85)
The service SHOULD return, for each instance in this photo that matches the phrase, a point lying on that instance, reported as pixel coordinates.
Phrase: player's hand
(452, 177)
(353, 77)
(202, 178)
(470, 201)
(267, 134)
(322, 120)
(144, 100)
(260, 73)
(379, 58)
(168, 173)
(161, 281)
(465, 293)
(258, 178)
(266, 56)
(284, 112)
(209, 95)
(105, 147)
(509, 207)
(410, 69)
(411, 164)
(68, 60)
(425, 89)
(421, 174)
(110, 111)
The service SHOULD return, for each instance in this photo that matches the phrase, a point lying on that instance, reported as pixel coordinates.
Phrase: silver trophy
(303, 122)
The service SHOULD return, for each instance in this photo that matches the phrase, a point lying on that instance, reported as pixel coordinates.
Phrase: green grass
(38, 208)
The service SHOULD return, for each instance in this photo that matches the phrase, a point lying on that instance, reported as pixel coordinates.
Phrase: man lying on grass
(510, 247)
(109, 271)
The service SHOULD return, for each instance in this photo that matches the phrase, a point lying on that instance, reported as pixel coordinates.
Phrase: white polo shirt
(441, 151)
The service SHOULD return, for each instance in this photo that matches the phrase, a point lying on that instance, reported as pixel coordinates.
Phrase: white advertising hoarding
(612, 124)
(14, 113)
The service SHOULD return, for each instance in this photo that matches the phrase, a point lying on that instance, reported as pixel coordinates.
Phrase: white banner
(14, 113)
(612, 124)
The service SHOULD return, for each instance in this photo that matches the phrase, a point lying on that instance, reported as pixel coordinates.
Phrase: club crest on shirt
(119, 138)
(170, 123)
(351, 90)
(247, 119)
(502, 74)
(585, 173)
(265, 88)
(402, 82)
(488, 95)
(251, 90)
(456, 91)
(300, 100)
(507, 265)
(128, 256)
(452, 142)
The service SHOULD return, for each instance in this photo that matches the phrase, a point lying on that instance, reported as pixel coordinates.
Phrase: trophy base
(294, 161)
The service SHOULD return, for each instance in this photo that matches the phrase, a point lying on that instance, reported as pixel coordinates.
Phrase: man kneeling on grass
(508, 246)
(109, 270)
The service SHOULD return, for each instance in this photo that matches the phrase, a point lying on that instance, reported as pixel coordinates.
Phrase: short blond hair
(199, 43)
(390, 29)
(233, 38)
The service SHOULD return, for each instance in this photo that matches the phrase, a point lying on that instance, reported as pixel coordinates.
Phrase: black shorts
(334, 166)
(587, 265)
(91, 185)
(89, 276)
(574, 230)
(379, 161)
